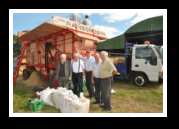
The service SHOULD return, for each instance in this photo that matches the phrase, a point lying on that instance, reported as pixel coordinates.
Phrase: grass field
(128, 98)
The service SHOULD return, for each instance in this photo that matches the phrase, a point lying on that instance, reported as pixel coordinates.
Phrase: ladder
(19, 60)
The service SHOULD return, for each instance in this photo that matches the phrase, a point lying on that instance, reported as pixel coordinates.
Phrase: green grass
(21, 96)
(128, 98)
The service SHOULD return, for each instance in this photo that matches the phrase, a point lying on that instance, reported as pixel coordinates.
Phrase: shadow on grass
(128, 85)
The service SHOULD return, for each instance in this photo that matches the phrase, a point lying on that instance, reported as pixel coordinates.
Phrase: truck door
(144, 59)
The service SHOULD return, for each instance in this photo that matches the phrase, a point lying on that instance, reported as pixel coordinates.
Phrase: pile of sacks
(65, 100)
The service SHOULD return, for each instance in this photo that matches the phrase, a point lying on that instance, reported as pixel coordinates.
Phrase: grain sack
(68, 102)
(45, 96)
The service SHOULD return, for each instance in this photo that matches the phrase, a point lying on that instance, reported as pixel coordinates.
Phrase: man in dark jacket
(63, 72)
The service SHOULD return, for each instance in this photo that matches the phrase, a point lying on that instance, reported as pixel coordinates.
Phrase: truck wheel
(26, 74)
(139, 79)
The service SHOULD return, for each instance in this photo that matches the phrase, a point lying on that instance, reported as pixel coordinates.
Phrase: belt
(106, 78)
(77, 73)
(88, 71)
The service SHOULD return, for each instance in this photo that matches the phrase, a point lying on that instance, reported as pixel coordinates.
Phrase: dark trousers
(89, 85)
(77, 79)
(97, 90)
(106, 92)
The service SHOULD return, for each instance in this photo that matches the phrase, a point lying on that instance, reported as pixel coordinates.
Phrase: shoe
(113, 91)
(106, 109)
(102, 105)
(95, 102)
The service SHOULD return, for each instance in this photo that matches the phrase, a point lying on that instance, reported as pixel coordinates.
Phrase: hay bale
(117, 59)
(35, 79)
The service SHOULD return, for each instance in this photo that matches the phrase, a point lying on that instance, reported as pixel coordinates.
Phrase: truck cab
(146, 64)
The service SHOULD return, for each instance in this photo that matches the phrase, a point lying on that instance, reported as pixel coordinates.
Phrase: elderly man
(96, 78)
(89, 61)
(107, 69)
(77, 74)
(63, 72)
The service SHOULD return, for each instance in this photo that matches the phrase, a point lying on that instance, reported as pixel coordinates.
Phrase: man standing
(77, 74)
(96, 78)
(63, 71)
(107, 69)
(89, 62)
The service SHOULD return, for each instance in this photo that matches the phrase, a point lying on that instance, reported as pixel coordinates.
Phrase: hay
(117, 59)
(35, 79)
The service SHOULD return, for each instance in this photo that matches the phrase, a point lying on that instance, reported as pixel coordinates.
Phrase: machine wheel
(26, 74)
(139, 79)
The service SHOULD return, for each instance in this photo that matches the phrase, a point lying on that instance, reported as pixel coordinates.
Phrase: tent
(150, 29)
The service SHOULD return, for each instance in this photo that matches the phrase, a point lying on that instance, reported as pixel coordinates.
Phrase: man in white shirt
(89, 62)
(77, 74)
(96, 78)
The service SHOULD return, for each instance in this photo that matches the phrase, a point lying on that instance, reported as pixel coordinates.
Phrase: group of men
(98, 71)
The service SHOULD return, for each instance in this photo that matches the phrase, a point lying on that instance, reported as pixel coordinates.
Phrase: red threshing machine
(42, 46)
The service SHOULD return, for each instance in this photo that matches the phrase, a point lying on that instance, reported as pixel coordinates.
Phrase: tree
(16, 45)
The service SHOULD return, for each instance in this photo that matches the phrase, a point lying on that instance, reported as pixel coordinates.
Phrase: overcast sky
(113, 22)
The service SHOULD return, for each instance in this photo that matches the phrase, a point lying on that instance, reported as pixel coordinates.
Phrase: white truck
(143, 63)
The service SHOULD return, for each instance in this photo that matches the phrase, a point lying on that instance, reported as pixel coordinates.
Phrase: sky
(114, 22)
